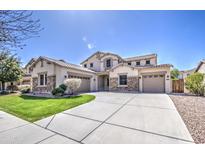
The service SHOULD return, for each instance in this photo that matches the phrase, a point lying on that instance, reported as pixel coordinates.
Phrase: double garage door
(85, 83)
(153, 83)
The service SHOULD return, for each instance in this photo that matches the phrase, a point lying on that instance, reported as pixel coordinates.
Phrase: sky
(177, 37)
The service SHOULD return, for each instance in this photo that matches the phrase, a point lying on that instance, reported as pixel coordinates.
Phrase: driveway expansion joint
(82, 117)
(45, 139)
(144, 131)
(50, 121)
(14, 128)
(127, 101)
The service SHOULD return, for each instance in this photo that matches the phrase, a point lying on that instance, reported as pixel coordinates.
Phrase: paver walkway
(110, 118)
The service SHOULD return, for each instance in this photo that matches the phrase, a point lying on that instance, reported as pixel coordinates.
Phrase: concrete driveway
(110, 118)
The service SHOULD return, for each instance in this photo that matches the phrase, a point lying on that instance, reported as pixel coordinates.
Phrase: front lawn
(36, 108)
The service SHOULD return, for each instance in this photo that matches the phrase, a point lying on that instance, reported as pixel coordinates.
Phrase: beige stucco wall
(95, 61)
(114, 61)
(49, 68)
(168, 86)
(202, 69)
(131, 72)
(143, 62)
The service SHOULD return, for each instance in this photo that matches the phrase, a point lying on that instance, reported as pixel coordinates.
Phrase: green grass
(36, 108)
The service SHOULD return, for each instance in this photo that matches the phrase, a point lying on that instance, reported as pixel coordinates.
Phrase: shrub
(24, 88)
(4, 92)
(58, 91)
(195, 83)
(72, 84)
(175, 74)
(12, 88)
(63, 86)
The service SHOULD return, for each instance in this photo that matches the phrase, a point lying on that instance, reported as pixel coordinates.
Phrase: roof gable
(200, 64)
(62, 63)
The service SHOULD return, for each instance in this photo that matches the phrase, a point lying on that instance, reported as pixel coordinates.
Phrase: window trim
(41, 63)
(45, 79)
(147, 61)
(138, 62)
(91, 64)
(108, 59)
(122, 85)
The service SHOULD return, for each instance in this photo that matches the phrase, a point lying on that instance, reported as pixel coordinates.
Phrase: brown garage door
(85, 83)
(154, 83)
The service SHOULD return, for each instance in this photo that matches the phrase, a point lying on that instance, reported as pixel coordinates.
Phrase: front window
(108, 63)
(129, 63)
(41, 63)
(138, 63)
(91, 64)
(42, 79)
(123, 79)
(85, 65)
(147, 62)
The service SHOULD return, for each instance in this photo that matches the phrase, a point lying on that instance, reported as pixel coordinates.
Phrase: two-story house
(140, 73)
(104, 71)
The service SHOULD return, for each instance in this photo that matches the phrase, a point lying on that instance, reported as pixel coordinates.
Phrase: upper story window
(41, 63)
(147, 62)
(43, 79)
(91, 64)
(123, 80)
(138, 63)
(129, 63)
(85, 65)
(108, 63)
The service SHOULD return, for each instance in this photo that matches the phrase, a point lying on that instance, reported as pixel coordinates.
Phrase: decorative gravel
(192, 111)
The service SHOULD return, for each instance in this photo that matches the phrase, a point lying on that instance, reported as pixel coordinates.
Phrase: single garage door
(85, 83)
(153, 83)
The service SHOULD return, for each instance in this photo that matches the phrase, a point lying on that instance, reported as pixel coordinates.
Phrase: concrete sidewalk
(111, 118)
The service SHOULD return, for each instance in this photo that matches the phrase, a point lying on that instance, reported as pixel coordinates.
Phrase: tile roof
(66, 64)
(140, 57)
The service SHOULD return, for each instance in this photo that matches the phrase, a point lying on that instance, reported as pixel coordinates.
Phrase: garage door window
(123, 79)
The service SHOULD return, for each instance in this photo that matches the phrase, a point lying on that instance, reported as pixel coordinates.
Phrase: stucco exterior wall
(153, 61)
(49, 68)
(202, 69)
(123, 69)
(95, 61)
(114, 61)
(132, 79)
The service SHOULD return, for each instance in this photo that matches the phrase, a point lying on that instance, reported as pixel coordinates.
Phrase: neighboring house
(26, 78)
(48, 73)
(201, 67)
(186, 73)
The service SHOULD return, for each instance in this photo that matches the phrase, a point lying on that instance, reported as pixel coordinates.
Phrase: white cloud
(90, 46)
(84, 38)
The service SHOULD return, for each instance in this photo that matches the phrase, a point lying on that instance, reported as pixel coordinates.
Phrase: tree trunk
(3, 86)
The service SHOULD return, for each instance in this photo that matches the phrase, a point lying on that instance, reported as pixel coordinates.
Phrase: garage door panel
(85, 83)
(154, 83)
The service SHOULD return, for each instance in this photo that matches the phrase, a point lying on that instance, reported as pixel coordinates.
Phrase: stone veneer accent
(132, 84)
(51, 84)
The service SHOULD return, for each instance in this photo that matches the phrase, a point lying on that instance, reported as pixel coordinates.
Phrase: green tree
(175, 74)
(195, 83)
(10, 70)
